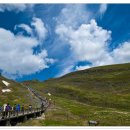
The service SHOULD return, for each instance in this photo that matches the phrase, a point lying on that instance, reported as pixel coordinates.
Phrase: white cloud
(24, 27)
(122, 53)
(15, 7)
(102, 8)
(17, 55)
(117, 56)
(39, 28)
(90, 43)
(66, 70)
(82, 67)
(87, 43)
(73, 15)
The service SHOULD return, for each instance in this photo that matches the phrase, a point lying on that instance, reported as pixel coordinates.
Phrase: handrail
(10, 114)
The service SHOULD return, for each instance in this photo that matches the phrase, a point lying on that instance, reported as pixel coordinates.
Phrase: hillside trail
(110, 109)
(33, 97)
(119, 112)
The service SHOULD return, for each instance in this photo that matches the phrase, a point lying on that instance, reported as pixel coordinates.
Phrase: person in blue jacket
(18, 108)
(0, 109)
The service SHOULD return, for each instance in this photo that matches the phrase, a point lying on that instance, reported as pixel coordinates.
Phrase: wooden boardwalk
(14, 117)
(11, 118)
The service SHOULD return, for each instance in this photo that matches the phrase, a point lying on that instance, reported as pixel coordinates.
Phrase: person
(30, 107)
(4, 108)
(10, 109)
(18, 108)
(7, 109)
(14, 109)
(0, 109)
(42, 106)
(22, 109)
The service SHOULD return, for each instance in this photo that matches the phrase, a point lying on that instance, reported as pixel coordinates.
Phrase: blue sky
(42, 41)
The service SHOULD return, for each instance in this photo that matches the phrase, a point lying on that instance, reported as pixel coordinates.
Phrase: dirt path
(119, 112)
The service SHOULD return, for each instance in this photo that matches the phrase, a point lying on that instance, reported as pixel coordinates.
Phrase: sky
(42, 41)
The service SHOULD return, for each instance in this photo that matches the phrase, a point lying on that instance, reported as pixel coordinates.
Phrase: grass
(100, 93)
(72, 113)
(18, 94)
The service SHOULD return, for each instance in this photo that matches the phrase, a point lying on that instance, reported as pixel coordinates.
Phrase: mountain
(99, 93)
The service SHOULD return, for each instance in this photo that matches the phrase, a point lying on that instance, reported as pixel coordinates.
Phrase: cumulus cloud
(17, 54)
(102, 8)
(122, 53)
(73, 15)
(88, 42)
(15, 7)
(39, 28)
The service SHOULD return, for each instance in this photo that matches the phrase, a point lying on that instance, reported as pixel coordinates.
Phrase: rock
(42, 117)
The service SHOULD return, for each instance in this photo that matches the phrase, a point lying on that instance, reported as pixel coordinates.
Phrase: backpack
(7, 108)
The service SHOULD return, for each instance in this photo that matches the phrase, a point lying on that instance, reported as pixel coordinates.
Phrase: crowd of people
(6, 109)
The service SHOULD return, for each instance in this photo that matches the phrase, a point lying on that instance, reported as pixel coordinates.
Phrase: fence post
(27, 111)
(9, 112)
(13, 112)
(4, 114)
(22, 111)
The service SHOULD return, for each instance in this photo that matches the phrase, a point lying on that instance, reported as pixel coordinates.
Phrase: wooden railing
(12, 114)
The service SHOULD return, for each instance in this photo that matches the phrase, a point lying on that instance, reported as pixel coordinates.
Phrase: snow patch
(6, 90)
(5, 83)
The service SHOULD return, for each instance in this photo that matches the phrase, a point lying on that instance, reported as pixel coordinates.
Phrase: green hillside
(100, 93)
(18, 95)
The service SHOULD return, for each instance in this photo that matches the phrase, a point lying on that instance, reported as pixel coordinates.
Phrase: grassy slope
(19, 94)
(100, 93)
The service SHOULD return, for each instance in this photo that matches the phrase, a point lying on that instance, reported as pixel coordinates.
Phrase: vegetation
(18, 95)
(100, 93)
